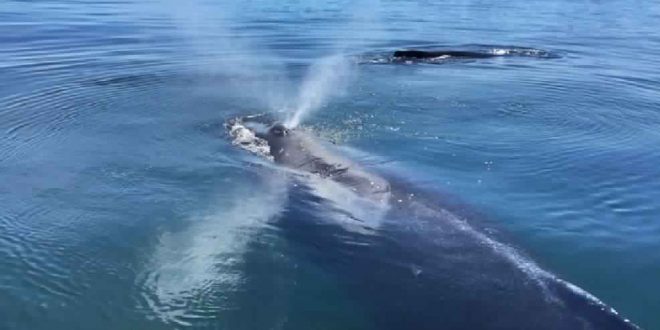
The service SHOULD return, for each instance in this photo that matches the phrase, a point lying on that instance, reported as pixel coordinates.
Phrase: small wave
(130, 80)
(49, 116)
(36, 255)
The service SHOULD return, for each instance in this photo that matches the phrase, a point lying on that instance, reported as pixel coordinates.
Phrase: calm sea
(124, 204)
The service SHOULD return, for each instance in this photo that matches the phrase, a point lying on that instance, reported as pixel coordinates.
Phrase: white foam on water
(246, 139)
(202, 259)
(500, 51)
(520, 51)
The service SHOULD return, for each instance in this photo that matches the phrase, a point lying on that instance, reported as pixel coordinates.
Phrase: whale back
(297, 150)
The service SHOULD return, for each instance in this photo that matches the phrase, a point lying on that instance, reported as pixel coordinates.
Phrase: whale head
(278, 130)
(298, 149)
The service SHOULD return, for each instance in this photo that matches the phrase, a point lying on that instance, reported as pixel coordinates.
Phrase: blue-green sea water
(125, 205)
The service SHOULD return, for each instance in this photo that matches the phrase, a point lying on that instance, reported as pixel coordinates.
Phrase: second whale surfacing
(420, 266)
(464, 53)
(429, 54)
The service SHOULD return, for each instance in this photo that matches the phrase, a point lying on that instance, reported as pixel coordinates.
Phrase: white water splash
(246, 139)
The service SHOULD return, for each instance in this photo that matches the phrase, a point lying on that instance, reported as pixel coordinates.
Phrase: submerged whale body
(425, 268)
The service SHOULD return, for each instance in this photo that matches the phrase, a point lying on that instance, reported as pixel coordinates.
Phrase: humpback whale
(426, 267)
(466, 53)
(426, 54)
(301, 152)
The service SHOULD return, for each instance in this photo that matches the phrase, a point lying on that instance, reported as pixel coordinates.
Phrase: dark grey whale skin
(428, 54)
(452, 279)
(299, 151)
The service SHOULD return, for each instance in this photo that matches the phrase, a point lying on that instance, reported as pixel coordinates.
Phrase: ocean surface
(124, 203)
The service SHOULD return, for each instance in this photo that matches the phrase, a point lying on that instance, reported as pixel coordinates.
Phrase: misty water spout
(325, 79)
